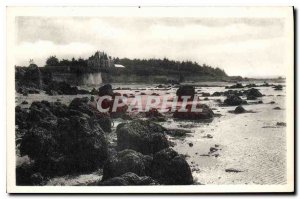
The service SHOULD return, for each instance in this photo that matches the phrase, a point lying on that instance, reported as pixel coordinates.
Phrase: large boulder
(61, 140)
(82, 105)
(105, 90)
(233, 92)
(185, 90)
(169, 168)
(205, 113)
(127, 161)
(83, 142)
(128, 179)
(142, 136)
(233, 100)
(253, 92)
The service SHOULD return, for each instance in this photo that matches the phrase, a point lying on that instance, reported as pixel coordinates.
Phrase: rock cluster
(144, 158)
(62, 139)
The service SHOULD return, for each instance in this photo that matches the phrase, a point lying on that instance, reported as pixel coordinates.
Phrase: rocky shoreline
(69, 139)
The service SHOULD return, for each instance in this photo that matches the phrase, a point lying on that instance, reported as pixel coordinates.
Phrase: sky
(249, 47)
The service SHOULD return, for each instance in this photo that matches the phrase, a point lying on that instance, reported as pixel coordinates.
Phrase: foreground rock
(205, 113)
(169, 168)
(278, 87)
(127, 161)
(25, 172)
(185, 91)
(129, 179)
(142, 136)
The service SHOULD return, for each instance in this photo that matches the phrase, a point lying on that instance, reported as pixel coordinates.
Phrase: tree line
(143, 66)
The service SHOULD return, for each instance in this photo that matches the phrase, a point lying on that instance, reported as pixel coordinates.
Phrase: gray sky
(240, 46)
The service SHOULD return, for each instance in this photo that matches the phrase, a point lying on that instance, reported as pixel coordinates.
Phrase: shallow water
(248, 142)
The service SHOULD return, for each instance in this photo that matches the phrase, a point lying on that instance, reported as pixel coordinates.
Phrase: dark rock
(281, 124)
(231, 170)
(277, 108)
(191, 144)
(28, 77)
(213, 149)
(171, 169)
(238, 85)
(208, 136)
(233, 100)
(33, 91)
(121, 112)
(51, 92)
(239, 109)
(233, 92)
(251, 85)
(278, 87)
(76, 144)
(217, 94)
(185, 91)
(37, 179)
(143, 136)
(25, 93)
(205, 94)
(92, 99)
(127, 161)
(129, 179)
(61, 88)
(105, 90)
(81, 105)
(260, 102)
(153, 113)
(272, 102)
(206, 113)
(21, 117)
(94, 92)
(251, 97)
(178, 132)
(253, 92)
(83, 92)
(61, 140)
(24, 171)
(265, 84)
